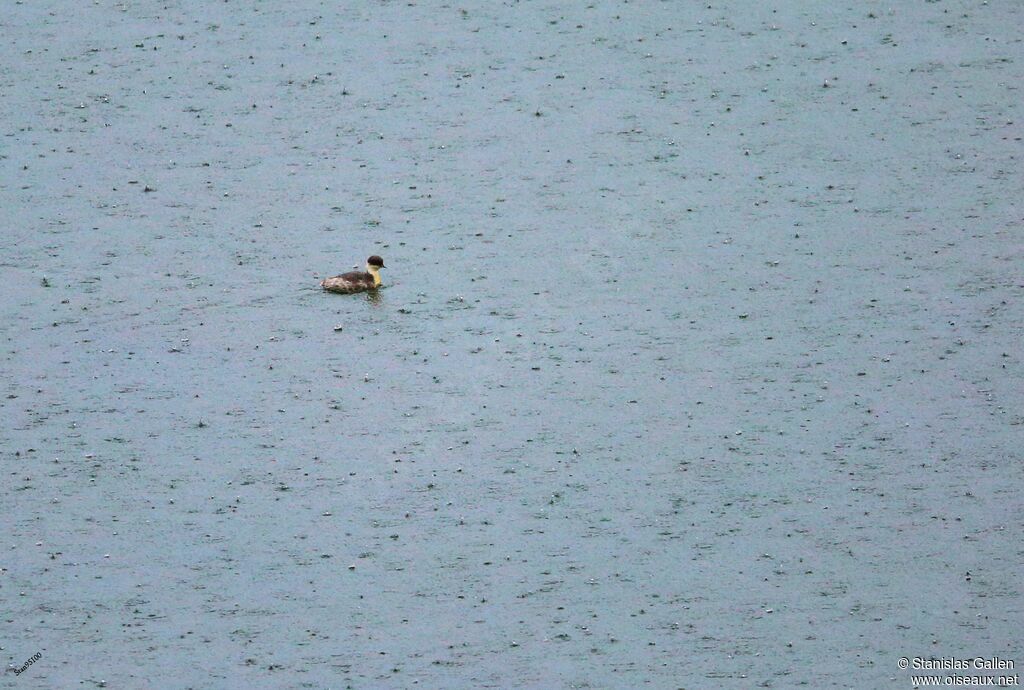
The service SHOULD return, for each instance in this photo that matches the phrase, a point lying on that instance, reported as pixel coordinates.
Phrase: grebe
(356, 281)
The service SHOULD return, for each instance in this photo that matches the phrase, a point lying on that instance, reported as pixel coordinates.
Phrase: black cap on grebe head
(376, 261)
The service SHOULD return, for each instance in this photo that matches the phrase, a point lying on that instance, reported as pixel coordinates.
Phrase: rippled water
(697, 363)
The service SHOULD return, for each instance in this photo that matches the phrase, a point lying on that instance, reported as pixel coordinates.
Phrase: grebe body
(356, 281)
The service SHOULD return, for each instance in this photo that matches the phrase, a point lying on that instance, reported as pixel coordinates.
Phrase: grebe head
(373, 266)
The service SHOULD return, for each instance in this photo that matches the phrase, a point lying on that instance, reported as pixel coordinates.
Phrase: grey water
(697, 362)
